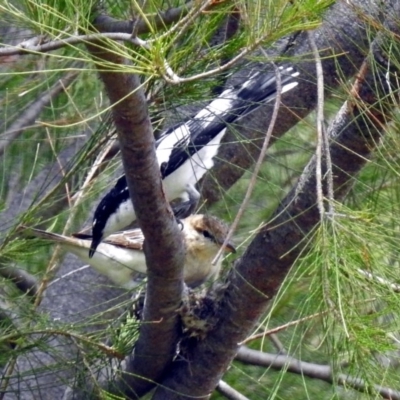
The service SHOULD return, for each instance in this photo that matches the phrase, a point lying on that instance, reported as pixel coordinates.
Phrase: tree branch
(38, 44)
(156, 345)
(229, 392)
(257, 276)
(312, 370)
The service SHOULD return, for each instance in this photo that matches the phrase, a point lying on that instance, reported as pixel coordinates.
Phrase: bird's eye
(208, 235)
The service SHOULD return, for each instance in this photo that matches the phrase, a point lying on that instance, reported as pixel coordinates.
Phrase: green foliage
(348, 278)
(127, 335)
(346, 285)
(51, 17)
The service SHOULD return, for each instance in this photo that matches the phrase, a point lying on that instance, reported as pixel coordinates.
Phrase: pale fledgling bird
(185, 152)
(121, 255)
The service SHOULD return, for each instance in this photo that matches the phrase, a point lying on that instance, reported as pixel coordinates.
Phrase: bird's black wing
(107, 206)
(245, 98)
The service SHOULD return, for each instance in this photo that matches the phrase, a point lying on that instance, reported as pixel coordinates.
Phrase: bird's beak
(230, 248)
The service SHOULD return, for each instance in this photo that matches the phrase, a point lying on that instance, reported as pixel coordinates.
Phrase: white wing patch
(289, 86)
(167, 144)
(192, 170)
(217, 108)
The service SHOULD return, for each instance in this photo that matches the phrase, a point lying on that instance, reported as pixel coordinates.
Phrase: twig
(174, 78)
(96, 388)
(96, 165)
(171, 77)
(71, 171)
(320, 124)
(39, 47)
(29, 115)
(67, 191)
(109, 351)
(229, 392)
(296, 322)
(312, 370)
(282, 327)
(68, 274)
(372, 277)
(36, 45)
(53, 263)
(186, 21)
(277, 343)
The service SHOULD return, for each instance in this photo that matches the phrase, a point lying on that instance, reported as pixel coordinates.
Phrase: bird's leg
(185, 208)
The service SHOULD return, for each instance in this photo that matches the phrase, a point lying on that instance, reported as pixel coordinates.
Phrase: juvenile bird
(121, 255)
(185, 151)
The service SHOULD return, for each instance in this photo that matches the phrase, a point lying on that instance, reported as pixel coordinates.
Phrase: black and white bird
(120, 256)
(185, 151)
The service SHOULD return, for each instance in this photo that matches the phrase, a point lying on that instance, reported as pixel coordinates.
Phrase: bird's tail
(262, 87)
(94, 243)
(234, 103)
(52, 237)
